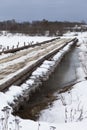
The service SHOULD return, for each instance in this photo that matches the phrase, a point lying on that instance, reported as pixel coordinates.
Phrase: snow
(69, 106)
(15, 39)
(80, 74)
(30, 82)
(50, 63)
(69, 111)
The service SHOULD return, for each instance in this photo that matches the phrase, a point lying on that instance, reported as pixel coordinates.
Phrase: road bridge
(17, 67)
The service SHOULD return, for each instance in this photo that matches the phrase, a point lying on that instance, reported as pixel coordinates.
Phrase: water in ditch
(64, 75)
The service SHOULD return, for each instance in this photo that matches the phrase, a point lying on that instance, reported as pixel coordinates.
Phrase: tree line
(43, 27)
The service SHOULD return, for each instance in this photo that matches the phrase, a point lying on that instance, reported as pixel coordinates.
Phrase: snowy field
(8, 39)
(69, 112)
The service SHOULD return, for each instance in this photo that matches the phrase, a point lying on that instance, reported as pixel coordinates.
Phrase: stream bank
(63, 77)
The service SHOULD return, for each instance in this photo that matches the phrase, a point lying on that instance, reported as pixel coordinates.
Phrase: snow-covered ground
(8, 39)
(69, 112)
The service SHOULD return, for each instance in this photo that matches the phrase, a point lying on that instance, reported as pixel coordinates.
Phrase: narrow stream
(64, 75)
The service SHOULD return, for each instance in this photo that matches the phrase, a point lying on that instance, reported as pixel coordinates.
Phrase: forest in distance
(43, 27)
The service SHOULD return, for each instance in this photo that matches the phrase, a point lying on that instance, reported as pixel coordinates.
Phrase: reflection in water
(64, 75)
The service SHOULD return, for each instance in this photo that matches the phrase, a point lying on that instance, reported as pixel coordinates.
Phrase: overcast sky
(29, 10)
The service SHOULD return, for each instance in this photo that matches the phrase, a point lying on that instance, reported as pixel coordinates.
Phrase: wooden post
(24, 43)
(7, 47)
